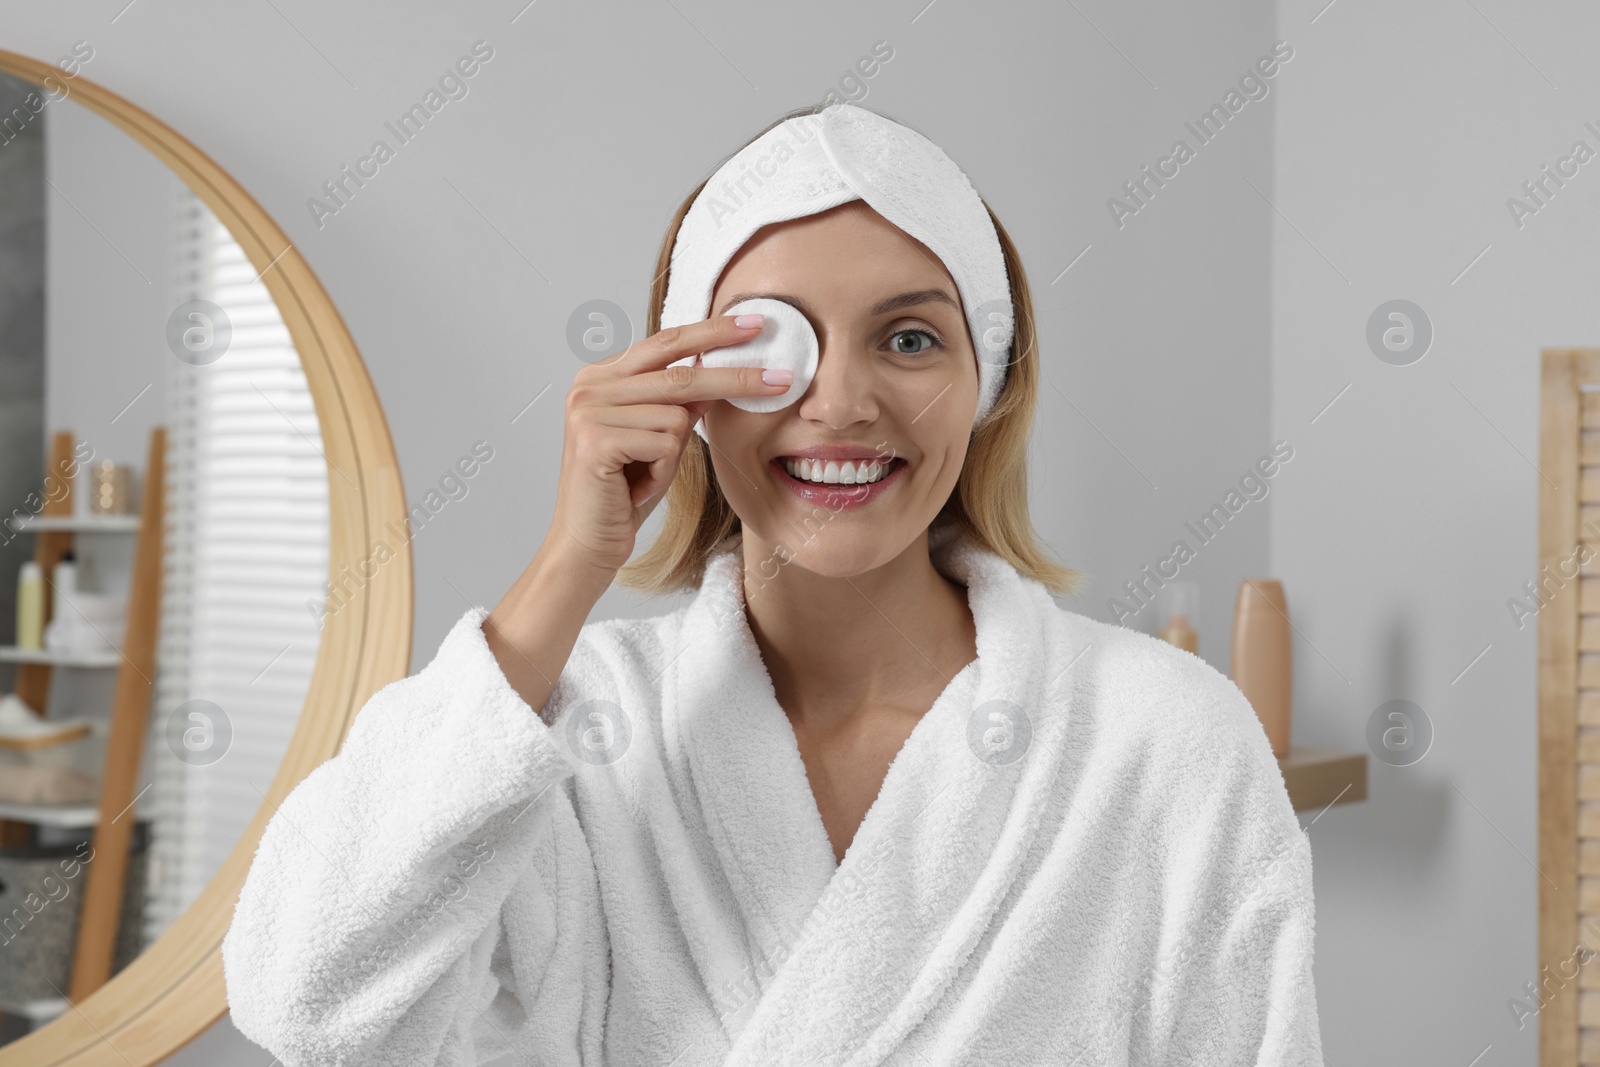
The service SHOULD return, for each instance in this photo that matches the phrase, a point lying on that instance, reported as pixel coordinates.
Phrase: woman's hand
(627, 422)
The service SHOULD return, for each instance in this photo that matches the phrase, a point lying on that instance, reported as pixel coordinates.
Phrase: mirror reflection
(163, 548)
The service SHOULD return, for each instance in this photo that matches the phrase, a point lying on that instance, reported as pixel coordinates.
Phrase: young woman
(871, 796)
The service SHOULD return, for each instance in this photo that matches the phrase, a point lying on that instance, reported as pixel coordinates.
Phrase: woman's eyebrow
(882, 307)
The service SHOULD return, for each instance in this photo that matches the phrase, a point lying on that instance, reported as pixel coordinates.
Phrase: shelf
(59, 732)
(13, 654)
(1318, 777)
(134, 661)
(37, 1010)
(80, 523)
(64, 816)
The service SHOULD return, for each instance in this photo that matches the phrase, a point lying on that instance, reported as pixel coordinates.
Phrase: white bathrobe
(1084, 854)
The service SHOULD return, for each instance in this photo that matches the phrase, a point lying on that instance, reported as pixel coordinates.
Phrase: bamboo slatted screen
(1566, 994)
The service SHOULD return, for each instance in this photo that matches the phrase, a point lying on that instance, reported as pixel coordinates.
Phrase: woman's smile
(837, 485)
(840, 472)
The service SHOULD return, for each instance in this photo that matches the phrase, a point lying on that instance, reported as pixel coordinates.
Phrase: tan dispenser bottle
(1262, 656)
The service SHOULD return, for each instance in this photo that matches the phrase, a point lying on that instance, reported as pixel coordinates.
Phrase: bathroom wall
(550, 182)
(110, 285)
(1408, 519)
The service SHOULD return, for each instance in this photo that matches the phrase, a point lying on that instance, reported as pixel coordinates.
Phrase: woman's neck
(894, 635)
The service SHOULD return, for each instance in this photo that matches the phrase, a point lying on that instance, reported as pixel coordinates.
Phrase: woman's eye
(900, 344)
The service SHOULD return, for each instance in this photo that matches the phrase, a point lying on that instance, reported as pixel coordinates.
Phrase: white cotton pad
(786, 341)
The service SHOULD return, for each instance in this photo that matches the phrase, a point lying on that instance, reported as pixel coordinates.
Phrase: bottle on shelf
(65, 578)
(30, 606)
(1263, 657)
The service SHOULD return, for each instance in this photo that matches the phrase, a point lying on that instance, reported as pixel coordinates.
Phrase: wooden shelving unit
(104, 879)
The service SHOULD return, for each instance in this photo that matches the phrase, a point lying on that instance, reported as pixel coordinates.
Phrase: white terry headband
(807, 165)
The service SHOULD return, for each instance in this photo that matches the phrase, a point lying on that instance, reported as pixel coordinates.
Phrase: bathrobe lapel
(860, 952)
(730, 748)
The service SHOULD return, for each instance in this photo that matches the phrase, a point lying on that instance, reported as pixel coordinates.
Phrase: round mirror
(199, 502)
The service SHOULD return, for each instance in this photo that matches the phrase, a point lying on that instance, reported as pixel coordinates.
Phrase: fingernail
(744, 322)
(777, 376)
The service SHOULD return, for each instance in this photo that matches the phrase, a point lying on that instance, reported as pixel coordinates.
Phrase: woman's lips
(837, 496)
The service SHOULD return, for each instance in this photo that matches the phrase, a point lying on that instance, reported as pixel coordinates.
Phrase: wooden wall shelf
(1318, 777)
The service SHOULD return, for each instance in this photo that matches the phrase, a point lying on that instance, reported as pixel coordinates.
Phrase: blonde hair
(989, 503)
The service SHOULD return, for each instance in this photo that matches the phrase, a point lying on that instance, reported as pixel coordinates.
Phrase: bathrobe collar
(952, 819)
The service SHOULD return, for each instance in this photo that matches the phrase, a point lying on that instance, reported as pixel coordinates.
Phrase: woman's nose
(843, 391)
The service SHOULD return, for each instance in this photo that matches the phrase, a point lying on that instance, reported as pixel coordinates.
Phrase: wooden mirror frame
(174, 990)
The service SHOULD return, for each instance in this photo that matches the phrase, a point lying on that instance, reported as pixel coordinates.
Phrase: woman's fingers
(663, 418)
(676, 342)
(656, 450)
(643, 372)
(691, 385)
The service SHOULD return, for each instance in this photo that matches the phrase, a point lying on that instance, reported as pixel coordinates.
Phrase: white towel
(1083, 854)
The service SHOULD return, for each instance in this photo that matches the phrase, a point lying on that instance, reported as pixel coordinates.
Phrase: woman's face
(896, 383)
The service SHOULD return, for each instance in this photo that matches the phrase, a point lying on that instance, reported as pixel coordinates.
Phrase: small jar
(108, 488)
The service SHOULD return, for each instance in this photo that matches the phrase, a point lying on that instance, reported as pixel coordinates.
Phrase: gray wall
(1410, 514)
(550, 183)
(109, 288)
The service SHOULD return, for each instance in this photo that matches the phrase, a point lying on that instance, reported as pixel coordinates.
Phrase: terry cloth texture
(1084, 853)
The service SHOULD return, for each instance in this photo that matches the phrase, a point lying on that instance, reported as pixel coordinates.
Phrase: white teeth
(832, 472)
